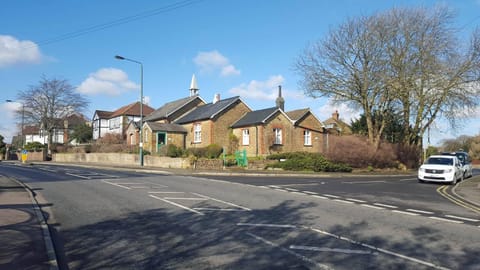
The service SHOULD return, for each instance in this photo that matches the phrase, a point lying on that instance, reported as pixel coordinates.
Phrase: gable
(179, 106)
(208, 111)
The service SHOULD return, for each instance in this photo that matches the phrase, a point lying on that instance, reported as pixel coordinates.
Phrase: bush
(34, 146)
(211, 151)
(301, 161)
(174, 151)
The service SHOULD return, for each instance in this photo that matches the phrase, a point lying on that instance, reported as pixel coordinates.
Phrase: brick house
(334, 125)
(210, 123)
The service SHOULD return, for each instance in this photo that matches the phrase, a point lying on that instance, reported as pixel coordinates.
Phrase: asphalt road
(107, 219)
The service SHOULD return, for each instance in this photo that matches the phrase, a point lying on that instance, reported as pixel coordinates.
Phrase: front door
(161, 140)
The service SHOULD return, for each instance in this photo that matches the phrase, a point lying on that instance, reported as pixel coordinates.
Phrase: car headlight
(449, 170)
(421, 169)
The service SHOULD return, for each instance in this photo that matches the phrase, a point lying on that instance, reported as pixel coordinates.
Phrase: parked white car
(465, 160)
(441, 168)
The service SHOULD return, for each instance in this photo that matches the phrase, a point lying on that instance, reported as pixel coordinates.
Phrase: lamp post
(23, 119)
(141, 103)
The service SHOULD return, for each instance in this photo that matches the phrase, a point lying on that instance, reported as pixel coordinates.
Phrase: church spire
(193, 86)
(280, 102)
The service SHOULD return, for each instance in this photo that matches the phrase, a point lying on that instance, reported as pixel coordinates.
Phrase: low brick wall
(119, 159)
(209, 164)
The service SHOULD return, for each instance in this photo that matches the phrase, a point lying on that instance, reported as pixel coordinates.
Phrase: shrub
(34, 146)
(300, 161)
(213, 151)
(174, 151)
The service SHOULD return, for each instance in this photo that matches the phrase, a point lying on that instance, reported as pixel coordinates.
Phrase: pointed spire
(280, 102)
(193, 86)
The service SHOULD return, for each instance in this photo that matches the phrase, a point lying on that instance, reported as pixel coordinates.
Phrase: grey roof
(255, 117)
(169, 108)
(296, 115)
(166, 127)
(207, 111)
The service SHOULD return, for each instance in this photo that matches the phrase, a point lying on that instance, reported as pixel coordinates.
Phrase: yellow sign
(24, 156)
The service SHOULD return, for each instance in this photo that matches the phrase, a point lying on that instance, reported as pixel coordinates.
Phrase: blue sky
(234, 47)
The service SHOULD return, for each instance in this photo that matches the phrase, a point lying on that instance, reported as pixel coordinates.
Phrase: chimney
(280, 102)
(336, 115)
(193, 86)
(216, 98)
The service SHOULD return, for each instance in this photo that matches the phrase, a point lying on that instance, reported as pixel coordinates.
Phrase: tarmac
(25, 239)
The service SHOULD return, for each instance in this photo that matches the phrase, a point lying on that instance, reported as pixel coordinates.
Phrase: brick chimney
(336, 115)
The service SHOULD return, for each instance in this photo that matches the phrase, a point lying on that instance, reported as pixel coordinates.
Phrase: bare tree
(406, 61)
(49, 101)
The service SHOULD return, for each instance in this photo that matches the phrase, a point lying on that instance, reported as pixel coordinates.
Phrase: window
(307, 137)
(197, 133)
(114, 123)
(245, 137)
(278, 136)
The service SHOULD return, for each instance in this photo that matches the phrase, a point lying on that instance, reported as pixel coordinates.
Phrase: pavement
(26, 241)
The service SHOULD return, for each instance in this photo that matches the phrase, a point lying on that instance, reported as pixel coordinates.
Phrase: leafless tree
(49, 101)
(408, 61)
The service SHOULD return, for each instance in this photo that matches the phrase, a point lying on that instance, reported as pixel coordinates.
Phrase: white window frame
(307, 137)
(277, 136)
(197, 133)
(245, 137)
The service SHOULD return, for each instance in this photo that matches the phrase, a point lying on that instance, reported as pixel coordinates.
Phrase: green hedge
(304, 161)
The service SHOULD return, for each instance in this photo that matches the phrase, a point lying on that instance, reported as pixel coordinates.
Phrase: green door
(161, 140)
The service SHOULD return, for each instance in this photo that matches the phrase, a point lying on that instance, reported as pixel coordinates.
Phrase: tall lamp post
(141, 103)
(23, 119)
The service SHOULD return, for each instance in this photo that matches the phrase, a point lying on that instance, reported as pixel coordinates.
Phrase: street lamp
(23, 119)
(141, 103)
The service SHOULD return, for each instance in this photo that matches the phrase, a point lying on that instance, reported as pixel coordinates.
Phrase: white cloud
(109, 81)
(8, 125)
(214, 61)
(346, 113)
(264, 90)
(14, 51)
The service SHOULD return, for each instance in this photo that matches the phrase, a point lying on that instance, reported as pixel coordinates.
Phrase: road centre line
(139, 187)
(364, 182)
(443, 192)
(331, 196)
(339, 250)
(447, 220)
(176, 204)
(343, 201)
(217, 209)
(385, 205)
(420, 211)
(298, 193)
(355, 200)
(279, 189)
(117, 185)
(217, 200)
(301, 257)
(373, 206)
(463, 218)
(381, 250)
(405, 213)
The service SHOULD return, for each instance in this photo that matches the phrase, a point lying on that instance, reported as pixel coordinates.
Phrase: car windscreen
(439, 161)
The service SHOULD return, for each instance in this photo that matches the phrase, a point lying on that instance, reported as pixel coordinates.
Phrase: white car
(441, 168)
(465, 161)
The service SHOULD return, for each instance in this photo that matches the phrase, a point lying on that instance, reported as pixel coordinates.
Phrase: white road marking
(381, 250)
(320, 197)
(176, 204)
(217, 200)
(408, 179)
(364, 182)
(447, 220)
(343, 201)
(79, 176)
(339, 250)
(267, 225)
(385, 205)
(291, 189)
(301, 257)
(187, 199)
(331, 196)
(298, 193)
(272, 186)
(166, 192)
(463, 218)
(139, 187)
(355, 200)
(405, 213)
(310, 192)
(294, 185)
(218, 209)
(47, 169)
(420, 211)
(283, 190)
(114, 184)
(372, 206)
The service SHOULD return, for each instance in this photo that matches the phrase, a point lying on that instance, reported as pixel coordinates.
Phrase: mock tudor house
(116, 122)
